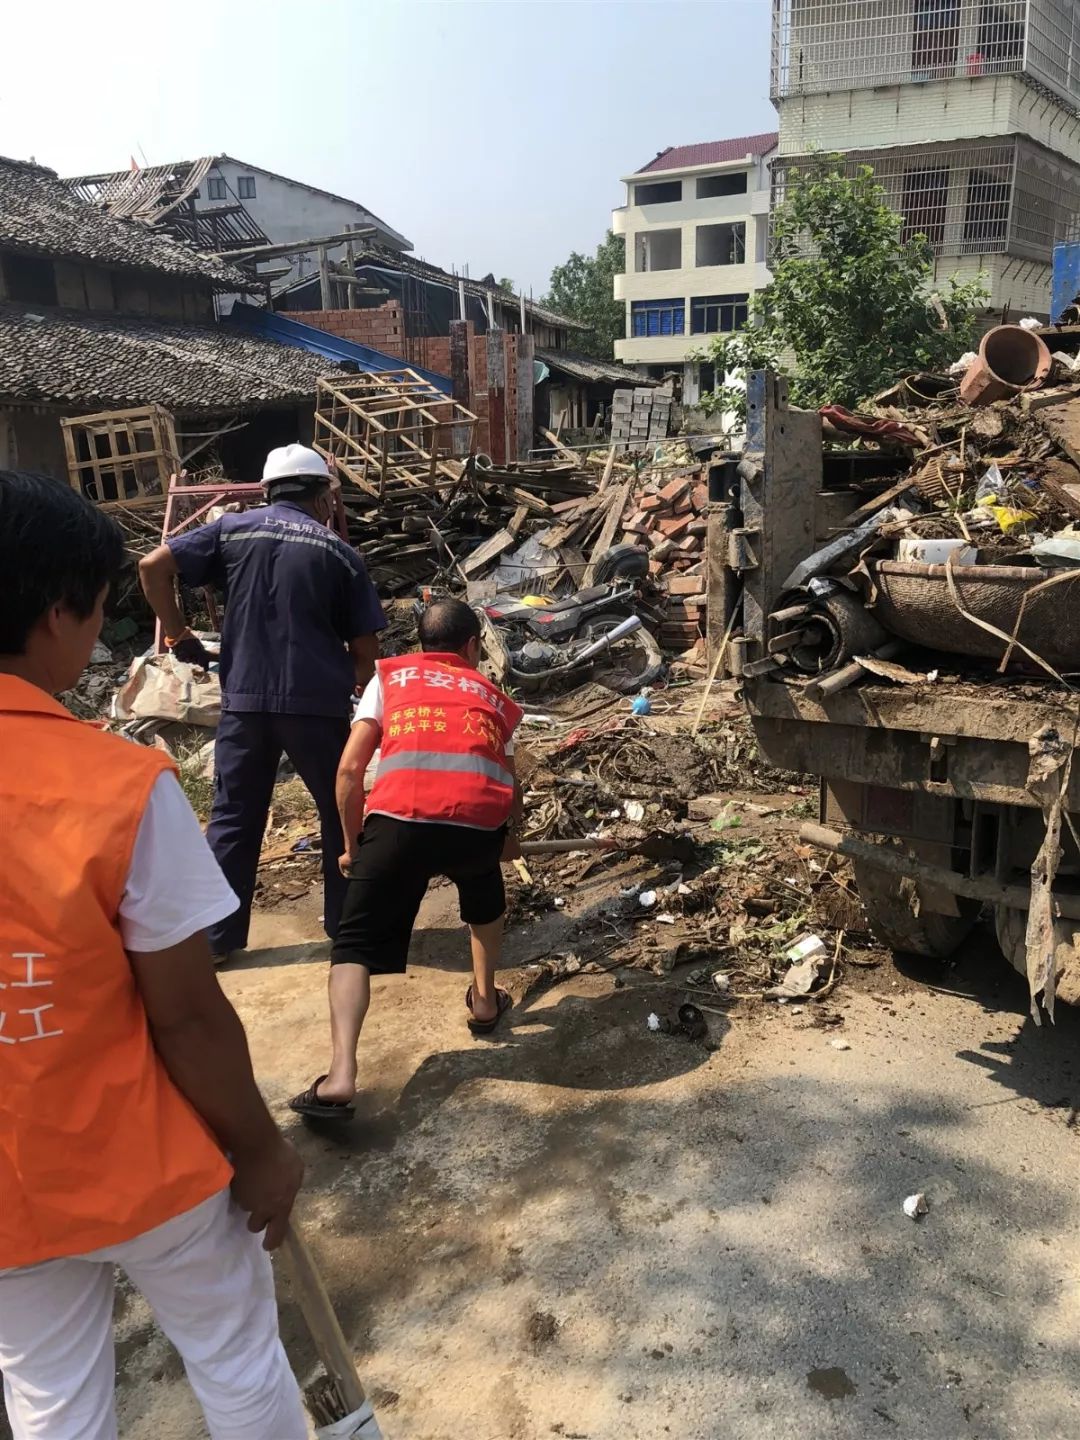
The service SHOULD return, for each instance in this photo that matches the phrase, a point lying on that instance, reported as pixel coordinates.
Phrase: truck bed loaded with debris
(896, 590)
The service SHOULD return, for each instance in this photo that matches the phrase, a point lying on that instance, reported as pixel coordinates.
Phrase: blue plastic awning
(268, 325)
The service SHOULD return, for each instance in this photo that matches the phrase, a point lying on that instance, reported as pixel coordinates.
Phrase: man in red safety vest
(445, 802)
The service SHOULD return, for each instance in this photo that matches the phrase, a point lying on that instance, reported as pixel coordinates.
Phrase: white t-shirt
(174, 885)
(370, 707)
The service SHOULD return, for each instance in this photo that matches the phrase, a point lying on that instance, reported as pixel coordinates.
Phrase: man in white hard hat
(300, 632)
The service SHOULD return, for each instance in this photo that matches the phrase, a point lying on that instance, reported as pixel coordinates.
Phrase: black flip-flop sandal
(308, 1104)
(484, 1027)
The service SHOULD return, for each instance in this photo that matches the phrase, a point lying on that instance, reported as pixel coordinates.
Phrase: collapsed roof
(41, 215)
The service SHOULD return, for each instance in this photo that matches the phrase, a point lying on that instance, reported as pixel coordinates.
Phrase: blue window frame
(658, 317)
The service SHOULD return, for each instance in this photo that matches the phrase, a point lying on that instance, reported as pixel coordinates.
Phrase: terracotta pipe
(1010, 359)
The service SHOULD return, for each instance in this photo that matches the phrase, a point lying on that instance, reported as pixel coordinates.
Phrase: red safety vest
(444, 735)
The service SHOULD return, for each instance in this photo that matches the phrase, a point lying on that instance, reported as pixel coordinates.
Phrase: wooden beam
(297, 247)
(490, 550)
(559, 447)
(612, 521)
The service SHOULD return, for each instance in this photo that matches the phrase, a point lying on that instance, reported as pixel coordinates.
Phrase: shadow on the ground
(572, 1042)
(1040, 1062)
(849, 1321)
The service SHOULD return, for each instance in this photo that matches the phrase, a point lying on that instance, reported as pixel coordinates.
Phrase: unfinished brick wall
(383, 329)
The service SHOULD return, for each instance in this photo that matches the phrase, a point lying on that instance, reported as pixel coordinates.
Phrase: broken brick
(675, 488)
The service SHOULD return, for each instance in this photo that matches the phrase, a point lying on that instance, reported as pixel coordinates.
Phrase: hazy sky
(490, 132)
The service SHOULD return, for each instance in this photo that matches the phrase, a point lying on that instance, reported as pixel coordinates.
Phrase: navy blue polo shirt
(296, 594)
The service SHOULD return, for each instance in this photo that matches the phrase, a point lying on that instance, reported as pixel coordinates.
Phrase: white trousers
(210, 1285)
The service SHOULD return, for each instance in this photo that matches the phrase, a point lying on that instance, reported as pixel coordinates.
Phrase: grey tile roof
(586, 368)
(40, 215)
(101, 362)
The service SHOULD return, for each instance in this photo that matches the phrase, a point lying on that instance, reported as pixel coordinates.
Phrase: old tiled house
(98, 312)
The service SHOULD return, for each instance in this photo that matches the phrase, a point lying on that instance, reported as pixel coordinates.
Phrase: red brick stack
(669, 515)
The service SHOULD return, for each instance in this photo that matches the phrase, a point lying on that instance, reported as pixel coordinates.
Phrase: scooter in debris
(533, 642)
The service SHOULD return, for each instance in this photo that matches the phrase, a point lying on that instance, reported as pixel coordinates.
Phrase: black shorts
(397, 861)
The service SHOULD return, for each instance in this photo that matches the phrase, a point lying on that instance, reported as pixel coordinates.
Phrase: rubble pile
(715, 888)
(965, 547)
(457, 530)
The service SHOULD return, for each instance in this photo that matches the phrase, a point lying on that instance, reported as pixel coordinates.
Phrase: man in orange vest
(132, 1132)
(443, 803)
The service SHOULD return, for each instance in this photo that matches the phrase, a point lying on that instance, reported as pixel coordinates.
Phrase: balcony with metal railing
(1007, 197)
(861, 44)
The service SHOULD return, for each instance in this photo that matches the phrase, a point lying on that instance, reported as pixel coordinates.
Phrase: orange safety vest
(97, 1145)
(444, 735)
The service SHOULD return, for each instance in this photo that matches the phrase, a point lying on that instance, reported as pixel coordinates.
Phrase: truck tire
(894, 922)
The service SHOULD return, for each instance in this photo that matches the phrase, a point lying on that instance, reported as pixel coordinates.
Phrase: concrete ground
(588, 1230)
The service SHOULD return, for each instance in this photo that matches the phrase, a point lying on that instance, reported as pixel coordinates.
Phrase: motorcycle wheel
(633, 662)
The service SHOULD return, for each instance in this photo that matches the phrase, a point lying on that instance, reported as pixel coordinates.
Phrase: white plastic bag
(160, 687)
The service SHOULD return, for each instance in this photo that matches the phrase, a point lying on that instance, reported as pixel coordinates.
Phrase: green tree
(582, 289)
(508, 285)
(851, 306)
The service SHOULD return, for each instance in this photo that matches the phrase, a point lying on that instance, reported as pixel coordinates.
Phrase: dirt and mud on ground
(594, 1229)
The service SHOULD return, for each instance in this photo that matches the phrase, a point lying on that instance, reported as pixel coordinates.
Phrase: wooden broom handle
(318, 1312)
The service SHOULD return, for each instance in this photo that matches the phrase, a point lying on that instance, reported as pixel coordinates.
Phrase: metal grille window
(1010, 197)
(215, 188)
(986, 213)
(245, 187)
(935, 39)
(716, 314)
(925, 204)
(657, 317)
(857, 44)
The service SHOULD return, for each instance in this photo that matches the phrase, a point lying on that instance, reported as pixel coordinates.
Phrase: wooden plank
(322, 1323)
(613, 519)
(560, 448)
(609, 467)
(531, 502)
(521, 514)
(326, 296)
(1062, 424)
(490, 550)
(879, 502)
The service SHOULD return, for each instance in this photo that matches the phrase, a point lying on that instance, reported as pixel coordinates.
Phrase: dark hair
(448, 625)
(55, 547)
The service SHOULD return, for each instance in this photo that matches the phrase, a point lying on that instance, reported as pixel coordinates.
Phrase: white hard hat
(294, 462)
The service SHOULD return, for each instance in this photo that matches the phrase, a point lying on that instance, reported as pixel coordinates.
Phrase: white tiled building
(967, 110)
(696, 228)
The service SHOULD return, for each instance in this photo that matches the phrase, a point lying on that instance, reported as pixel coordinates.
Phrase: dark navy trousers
(246, 758)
